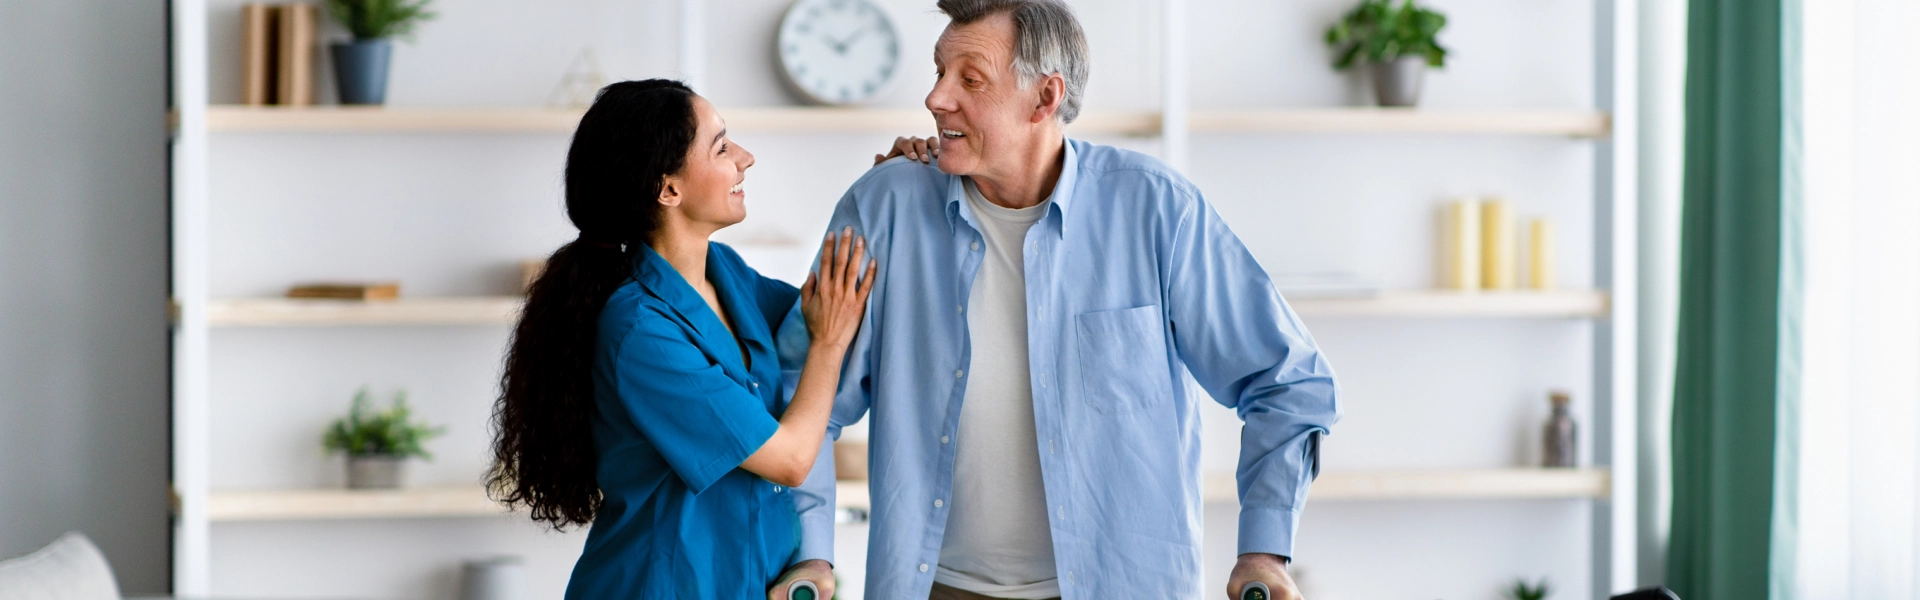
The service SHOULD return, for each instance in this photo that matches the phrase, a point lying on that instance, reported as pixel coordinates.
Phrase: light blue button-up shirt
(1135, 288)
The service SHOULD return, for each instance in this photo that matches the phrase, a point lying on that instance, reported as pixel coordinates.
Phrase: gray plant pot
(375, 472)
(1397, 83)
(360, 70)
(495, 578)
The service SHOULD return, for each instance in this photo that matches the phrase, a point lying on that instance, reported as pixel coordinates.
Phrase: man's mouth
(951, 134)
(738, 188)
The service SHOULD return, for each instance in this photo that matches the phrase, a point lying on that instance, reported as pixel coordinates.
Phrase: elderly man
(1041, 306)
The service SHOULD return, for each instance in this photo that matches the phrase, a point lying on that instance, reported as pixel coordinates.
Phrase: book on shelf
(256, 54)
(299, 26)
(346, 291)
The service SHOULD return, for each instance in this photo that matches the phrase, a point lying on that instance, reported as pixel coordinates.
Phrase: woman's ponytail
(635, 135)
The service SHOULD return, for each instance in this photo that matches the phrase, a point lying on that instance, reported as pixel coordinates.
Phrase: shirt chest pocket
(1123, 360)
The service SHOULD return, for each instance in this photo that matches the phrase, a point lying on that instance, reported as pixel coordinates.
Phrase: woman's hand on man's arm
(833, 301)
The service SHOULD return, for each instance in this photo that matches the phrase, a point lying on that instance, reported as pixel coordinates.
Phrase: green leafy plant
(1379, 32)
(379, 19)
(390, 432)
(1521, 590)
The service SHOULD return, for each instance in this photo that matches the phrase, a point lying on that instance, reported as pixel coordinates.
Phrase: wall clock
(837, 51)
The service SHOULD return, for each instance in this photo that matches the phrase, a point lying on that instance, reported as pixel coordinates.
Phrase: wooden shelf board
(471, 501)
(1578, 304)
(357, 119)
(500, 310)
(1403, 120)
(1438, 484)
(300, 505)
(281, 312)
(908, 121)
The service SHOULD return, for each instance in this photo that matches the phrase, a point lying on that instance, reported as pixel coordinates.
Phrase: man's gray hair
(1047, 40)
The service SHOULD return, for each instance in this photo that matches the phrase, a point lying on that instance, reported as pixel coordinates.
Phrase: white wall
(83, 261)
(452, 214)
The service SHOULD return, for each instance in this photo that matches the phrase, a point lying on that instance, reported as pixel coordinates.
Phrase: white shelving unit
(1608, 484)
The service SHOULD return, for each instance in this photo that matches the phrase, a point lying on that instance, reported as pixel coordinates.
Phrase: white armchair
(71, 568)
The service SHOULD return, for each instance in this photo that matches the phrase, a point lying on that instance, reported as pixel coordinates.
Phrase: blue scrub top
(678, 411)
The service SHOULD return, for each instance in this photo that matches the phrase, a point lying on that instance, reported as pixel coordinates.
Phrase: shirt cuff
(816, 536)
(1268, 530)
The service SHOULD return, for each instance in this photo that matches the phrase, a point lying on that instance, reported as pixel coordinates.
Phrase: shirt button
(961, 308)
(976, 246)
(756, 385)
(778, 489)
(937, 503)
(959, 373)
(943, 439)
(923, 567)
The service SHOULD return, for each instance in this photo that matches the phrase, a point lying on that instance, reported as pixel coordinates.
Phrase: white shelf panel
(359, 119)
(898, 121)
(283, 312)
(1403, 120)
(500, 310)
(299, 505)
(1438, 484)
(1574, 304)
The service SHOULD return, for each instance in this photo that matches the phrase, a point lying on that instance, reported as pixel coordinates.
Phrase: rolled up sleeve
(703, 423)
(1247, 348)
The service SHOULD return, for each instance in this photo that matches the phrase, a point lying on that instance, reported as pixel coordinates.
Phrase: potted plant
(378, 444)
(1397, 44)
(360, 65)
(1521, 590)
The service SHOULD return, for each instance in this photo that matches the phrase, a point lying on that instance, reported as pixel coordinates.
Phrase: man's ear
(1053, 93)
(670, 191)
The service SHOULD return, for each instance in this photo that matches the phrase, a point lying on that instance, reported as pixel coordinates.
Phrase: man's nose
(939, 100)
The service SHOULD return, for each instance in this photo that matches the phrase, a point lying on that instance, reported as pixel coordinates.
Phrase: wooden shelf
(1420, 484)
(501, 310)
(1438, 484)
(356, 119)
(300, 505)
(283, 312)
(1403, 120)
(1574, 304)
(907, 121)
(471, 501)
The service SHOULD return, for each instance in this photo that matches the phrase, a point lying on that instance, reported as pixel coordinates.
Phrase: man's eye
(723, 148)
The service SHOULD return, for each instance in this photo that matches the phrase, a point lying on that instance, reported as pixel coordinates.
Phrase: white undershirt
(997, 540)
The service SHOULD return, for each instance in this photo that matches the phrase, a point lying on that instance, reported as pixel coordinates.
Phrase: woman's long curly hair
(635, 135)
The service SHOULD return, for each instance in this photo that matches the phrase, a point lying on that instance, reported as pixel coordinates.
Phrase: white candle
(1496, 245)
(1460, 246)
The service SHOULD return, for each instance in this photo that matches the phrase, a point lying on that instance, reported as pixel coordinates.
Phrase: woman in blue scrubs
(642, 390)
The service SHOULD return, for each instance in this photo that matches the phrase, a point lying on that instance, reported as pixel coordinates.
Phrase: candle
(1460, 246)
(1540, 255)
(1496, 245)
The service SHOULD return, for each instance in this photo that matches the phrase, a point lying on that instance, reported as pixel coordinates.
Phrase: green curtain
(1726, 382)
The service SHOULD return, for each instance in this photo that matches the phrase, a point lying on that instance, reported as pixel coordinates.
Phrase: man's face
(976, 100)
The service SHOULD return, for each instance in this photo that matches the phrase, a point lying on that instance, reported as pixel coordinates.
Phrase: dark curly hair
(635, 135)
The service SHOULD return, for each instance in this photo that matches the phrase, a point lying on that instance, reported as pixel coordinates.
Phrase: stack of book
(276, 46)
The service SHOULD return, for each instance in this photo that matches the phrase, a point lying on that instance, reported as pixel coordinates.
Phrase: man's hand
(1264, 568)
(816, 571)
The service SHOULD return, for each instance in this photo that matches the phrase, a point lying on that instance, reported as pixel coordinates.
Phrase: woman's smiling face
(711, 187)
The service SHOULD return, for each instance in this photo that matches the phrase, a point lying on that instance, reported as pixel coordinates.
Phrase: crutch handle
(805, 590)
(1254, 590)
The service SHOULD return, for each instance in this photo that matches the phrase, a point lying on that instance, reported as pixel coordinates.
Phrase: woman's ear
(670, 192)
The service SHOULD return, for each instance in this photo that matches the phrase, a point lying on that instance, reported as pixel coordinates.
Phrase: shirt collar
(1061, 198)
(658, 277)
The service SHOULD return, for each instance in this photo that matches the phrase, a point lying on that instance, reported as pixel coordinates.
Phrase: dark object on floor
(1652, 593)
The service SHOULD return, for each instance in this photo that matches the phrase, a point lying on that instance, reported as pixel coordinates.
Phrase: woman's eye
(723, 148)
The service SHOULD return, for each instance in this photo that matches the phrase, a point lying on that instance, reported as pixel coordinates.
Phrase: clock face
(838, 51)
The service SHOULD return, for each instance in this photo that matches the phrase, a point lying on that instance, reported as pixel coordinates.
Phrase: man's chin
(953, 167)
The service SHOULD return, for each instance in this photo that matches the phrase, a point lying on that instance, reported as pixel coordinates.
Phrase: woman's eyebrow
(717, 136)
